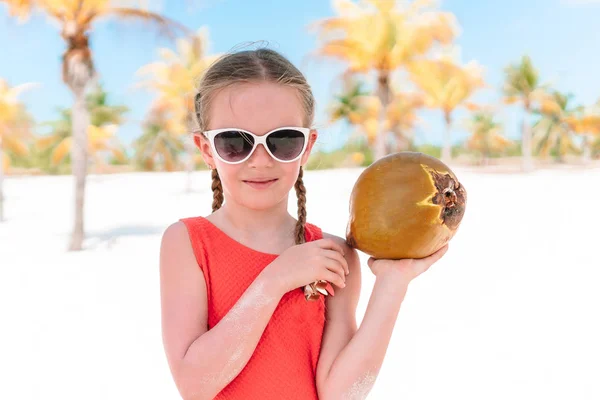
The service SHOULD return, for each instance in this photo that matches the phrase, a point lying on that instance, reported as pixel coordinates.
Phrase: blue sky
(558, 34)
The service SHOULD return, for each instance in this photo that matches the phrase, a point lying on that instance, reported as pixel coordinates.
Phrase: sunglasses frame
(211, 134)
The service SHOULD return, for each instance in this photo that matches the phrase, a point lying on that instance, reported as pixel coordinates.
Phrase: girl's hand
(408, 268)
(306, 263)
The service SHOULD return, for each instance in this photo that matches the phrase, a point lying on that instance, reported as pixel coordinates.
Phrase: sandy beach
(511, 312)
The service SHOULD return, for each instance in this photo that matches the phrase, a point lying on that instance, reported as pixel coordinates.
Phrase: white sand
(511, 312)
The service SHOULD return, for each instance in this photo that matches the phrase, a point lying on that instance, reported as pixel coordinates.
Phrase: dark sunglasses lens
(233, 146)
(286, 144)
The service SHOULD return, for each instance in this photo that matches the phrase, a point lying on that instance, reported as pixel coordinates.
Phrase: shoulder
(186, 229)
(339, 240)
(193, 237)
(187, 232)
(352, 289)
(316, 233)
(183, 227)
(350, 253)
(175, 238)
(180, 248)
(185, 235)
(188, 222)
(351, 292)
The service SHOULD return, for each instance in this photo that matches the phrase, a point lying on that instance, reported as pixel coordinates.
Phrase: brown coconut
(405, 205)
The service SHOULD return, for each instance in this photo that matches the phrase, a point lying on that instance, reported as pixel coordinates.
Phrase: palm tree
(100, 140)
(44, 145)
(101, 132)
(595, 147)
(76, 20)
(349, 103)
(356, 106)
(15, 129)
(173, 78)
(382, 36)
(161, 145)
(447, 85)
(522, 84)
(552, 131)
(101, 111)
(587, 124)
(402, 117)
(486, 135)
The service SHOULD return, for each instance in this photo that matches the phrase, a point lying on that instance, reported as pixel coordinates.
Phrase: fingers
(335, 266)
(340, 258)
(333, 277)
(330, 244)
(423, 264)
(437, 255)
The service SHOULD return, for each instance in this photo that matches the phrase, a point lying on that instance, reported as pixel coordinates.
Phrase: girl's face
(258, 108)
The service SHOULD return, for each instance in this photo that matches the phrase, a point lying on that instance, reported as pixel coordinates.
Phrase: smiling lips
(260, 183)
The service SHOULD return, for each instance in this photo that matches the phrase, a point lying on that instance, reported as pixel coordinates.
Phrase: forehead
(256, 106)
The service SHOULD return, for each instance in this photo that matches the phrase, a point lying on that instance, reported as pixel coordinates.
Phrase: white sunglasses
(234, 145)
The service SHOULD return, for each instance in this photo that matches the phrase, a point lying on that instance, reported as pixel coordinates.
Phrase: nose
(260, 158)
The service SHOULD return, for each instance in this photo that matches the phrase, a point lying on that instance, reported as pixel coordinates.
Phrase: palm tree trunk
(383, 93)
(403, 143)
(1, 182)
(389, 148)
(79, 159)
(527, 161)
(486, 151)
(559, 154)
(447, 145)
(586, 157)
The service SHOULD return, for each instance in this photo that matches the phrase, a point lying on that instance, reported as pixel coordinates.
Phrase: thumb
(437, 255)
(370, 262)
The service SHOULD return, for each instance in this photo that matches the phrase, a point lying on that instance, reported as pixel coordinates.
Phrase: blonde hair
(254, 66)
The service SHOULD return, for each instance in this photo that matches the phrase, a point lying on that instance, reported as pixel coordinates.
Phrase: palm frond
(166, 26)
(61, 151)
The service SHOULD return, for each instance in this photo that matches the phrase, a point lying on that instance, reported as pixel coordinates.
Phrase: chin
(260, 203)
(259, 200)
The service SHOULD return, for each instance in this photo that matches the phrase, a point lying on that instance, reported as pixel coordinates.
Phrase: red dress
(284, 363)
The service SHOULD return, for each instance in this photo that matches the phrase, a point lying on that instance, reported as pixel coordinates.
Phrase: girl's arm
(351, 359)
(204, 361)
(355, 368)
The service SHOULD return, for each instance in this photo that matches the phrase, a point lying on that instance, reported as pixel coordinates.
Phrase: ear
(312, 139)
(204, 146)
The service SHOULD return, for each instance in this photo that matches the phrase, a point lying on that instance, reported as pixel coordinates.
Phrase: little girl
(248, 305)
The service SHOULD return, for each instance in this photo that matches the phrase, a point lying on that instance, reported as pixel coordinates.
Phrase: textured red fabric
(284, 363)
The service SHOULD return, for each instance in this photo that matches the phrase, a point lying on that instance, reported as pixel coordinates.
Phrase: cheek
(229, 175)
(291, 173)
